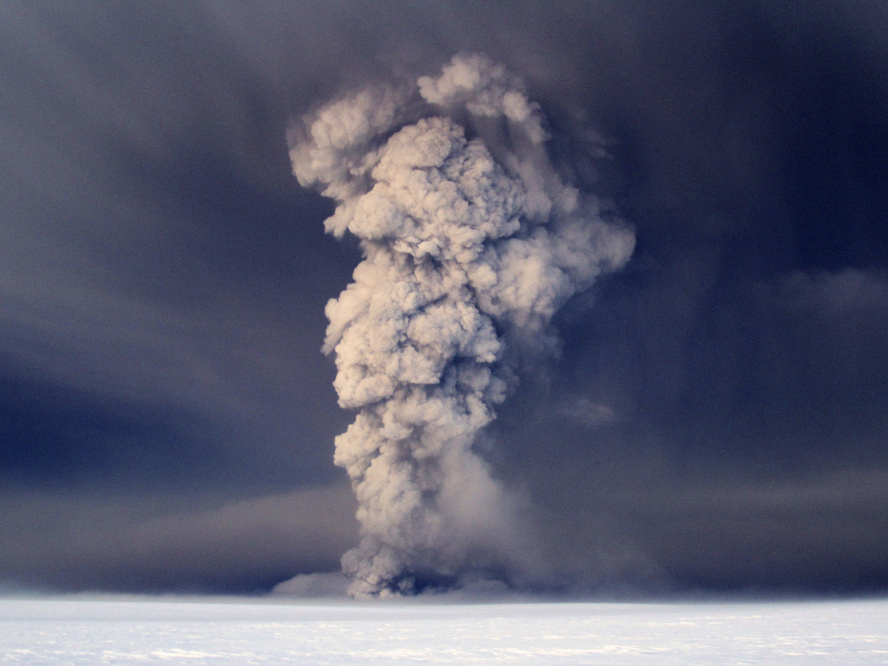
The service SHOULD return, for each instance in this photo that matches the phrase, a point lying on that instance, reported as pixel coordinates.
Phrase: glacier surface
(272, 631)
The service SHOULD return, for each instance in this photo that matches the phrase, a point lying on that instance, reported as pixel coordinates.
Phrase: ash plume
(471, 244)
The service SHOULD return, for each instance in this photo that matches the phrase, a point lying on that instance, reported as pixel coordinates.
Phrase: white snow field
(72, 631)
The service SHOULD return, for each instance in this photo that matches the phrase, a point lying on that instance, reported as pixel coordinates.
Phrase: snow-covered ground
(77, 631)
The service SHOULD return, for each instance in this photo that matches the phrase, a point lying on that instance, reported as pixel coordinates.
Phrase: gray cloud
(465, 256)
(848, 294)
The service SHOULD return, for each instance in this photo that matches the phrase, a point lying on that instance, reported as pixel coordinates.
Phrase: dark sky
(717, 419)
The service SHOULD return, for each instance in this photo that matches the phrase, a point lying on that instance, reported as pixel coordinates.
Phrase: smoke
(470, 247)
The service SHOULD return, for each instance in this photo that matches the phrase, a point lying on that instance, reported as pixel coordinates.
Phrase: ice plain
(272, 631)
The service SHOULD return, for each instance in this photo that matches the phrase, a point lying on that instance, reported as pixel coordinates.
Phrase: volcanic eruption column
(467, 257)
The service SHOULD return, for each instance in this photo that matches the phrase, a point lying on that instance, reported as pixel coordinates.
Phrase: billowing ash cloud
(470, 247)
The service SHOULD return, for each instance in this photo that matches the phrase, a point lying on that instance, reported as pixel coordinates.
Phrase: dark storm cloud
(150, 252)
(717, 416)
